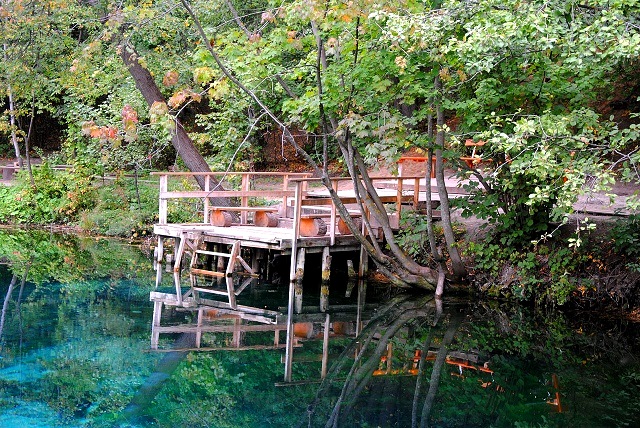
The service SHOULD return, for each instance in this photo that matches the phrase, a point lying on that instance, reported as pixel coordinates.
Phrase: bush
(122, 210)
(55, 197)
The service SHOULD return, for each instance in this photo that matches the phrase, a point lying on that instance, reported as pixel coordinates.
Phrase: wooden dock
(268, 215)
(275, 213)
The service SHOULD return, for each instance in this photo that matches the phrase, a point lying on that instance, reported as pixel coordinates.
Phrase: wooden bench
(262, 216)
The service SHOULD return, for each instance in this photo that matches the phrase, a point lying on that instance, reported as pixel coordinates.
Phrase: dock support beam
(159, 258)
(326, 276)
(363, 267)
(155, 324)
(299, 278)
(325, 346)
(199, 330)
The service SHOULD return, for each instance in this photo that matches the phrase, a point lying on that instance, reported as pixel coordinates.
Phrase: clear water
(75, 339)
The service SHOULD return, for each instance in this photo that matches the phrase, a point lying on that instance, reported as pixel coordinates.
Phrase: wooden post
(237, 333)
(168, 260)
(255, 261)
(326, 276)
(199, 330)
(177, 267)
(325, 346)
(351, 272)
(285, 187)
(299, 279)
(158, 260)
(292, 279)
(332, 227)
(220, 267)
(399, 197)
(207, 181)
(162, 201)
(155, 323)
(244, 201)
(231, 291)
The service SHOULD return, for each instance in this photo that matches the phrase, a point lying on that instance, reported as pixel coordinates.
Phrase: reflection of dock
(236, 324)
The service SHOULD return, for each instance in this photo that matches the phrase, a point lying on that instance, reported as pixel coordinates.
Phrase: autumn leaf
(170, 78)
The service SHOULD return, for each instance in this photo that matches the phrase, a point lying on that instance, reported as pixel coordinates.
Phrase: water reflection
(75, 351)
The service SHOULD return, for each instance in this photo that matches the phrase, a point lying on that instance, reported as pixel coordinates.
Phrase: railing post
(162, 201)
(244, 200)
(285, 187)
(207, 188)
(332, 227)
(399, 198)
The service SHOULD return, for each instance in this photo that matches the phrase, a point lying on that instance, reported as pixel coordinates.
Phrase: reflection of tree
(5, 305)
(454, 323)
(7, 299)
(67, 258)
(371, 345)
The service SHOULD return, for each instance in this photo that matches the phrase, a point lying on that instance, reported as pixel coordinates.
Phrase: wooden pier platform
(269, 215)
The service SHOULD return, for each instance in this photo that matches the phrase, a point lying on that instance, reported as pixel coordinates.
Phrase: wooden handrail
(215, 173)
(290, 182)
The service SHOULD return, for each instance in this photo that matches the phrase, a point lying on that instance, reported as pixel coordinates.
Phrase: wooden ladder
(234, 257)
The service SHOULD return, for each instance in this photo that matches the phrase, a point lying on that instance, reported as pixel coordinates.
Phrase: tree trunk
(180, 139)
(457, 266)
(12, 116)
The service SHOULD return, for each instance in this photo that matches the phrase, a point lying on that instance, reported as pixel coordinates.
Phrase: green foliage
(523, 78)
(122, 209)
(202, 385)
(413, 239)
(71, 385)
(626, 239)
(56, 197)
(548, 273)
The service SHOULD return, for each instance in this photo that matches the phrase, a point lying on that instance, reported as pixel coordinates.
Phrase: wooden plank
(211, 291)
(206, 272)
(352, 200)
(250, 313)
(207, 328)
(213, 253)
(162, 203)
(226, 194)
(227, 348)
(297, 175)
(265, 209)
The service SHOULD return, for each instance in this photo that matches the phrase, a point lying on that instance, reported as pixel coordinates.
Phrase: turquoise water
(75, 352)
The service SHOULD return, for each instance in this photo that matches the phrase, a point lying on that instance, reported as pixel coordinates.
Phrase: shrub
(122, 209)
(54, 197)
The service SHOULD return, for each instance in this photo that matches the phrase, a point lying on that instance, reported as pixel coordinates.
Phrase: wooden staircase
(190, 243)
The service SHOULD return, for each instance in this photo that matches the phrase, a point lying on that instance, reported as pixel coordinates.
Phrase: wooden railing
(244, 193)
(301, 188)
